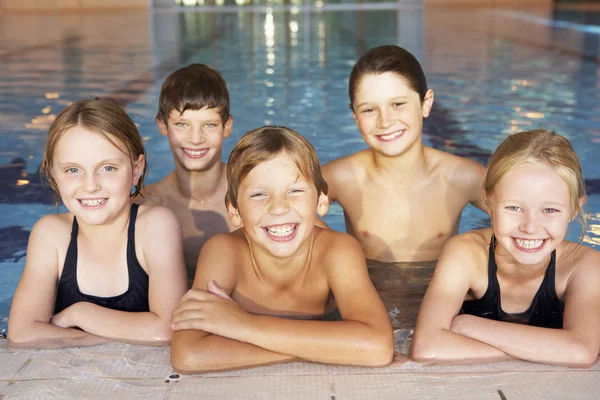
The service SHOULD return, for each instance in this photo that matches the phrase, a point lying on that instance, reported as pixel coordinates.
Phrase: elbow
(584, 358)
(380, 350)
(186, 360)
(421, 351)
(21, 338)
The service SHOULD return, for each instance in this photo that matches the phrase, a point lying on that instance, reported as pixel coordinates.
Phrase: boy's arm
(163, 254)
(331, 172)
(576, 345)
(364, 337)
(469, 176)
(433, 341)
(33, 303)
(195, 351)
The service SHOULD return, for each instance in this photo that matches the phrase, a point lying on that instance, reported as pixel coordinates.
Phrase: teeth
(529, 244)
(195, 153)
(92, 202)
(391, 136)
(282, 230)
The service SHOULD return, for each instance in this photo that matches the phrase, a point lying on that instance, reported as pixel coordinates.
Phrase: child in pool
(262, 294)
(521, 270)
(111, 269)
(193, 113)
(402, 200)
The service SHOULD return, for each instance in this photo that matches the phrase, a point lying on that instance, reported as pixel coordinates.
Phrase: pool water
(503, 72)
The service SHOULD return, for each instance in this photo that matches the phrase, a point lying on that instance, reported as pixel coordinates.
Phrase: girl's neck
(281, 272)
(510, 268)
(107, 232)
(198, 185)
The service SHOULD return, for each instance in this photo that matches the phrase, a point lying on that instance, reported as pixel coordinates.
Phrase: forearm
(195, 352)
(340, 342)
(43, 335)
(543, 345)
(132, 327)
(446, 347)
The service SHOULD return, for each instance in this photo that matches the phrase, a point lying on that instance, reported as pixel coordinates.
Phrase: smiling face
(196, 137)
(278, 207)
(389, 113)
(93, 176)
(531, 210)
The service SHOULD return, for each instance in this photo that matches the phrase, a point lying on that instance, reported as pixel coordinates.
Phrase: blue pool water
(504, 71)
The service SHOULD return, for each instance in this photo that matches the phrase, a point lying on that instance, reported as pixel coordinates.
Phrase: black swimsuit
(546, 310)
(134, 299)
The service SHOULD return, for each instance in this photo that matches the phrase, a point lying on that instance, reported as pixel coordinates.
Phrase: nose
(91, 183)
(385, 119)
(197, 136)
(530, 222)
(278, 206)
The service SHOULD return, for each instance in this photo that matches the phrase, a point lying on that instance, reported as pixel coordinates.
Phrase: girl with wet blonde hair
(518, 289)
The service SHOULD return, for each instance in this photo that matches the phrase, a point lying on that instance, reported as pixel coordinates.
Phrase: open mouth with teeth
(92, 203)
(281, 233)
(529, 245)
(389, 137)
(195, 153)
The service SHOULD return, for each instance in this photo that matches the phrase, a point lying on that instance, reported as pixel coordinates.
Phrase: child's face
(278, 206)
(531, 210)
(195, 137)
(389, 113)
(94, 177)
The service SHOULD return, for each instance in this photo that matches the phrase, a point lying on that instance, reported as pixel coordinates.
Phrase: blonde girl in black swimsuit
(524, 290)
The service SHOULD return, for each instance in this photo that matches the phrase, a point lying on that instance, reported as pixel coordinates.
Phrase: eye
(550, 210)
(71, 170)
(512, 208)
(366, 110)
(296, 191)
(398, 104)
(210, 125)
(258, 195)
(180, 124)
(109, 168)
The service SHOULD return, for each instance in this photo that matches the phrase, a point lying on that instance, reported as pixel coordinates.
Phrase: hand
(65, 318)
(212, 311)
(461, 323)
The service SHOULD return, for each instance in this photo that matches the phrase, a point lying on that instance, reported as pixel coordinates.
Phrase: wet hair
(194, 87)
(100, 116)
(382, 59)
(539, 146)
(263, 144)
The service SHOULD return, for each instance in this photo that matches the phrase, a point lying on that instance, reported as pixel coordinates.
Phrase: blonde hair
(539, 146)
(263, 144)
(101, 116)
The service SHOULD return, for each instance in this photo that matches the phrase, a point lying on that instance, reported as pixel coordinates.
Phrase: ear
(323, 204)
(162, 127)
(353, 114)
(227, 127)
(138, 168)
(234, 216)
(427, 103)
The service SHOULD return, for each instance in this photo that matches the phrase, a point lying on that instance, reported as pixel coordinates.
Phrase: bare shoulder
(579, 259)
(153, 194)
(345, 169)
(334, 248)
(468, 248)
(155, 217)
(53, 226)
(457, 170)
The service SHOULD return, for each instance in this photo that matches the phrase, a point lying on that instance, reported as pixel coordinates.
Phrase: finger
(186, 316)
(196, 324)
(214, 289)
(194, 294)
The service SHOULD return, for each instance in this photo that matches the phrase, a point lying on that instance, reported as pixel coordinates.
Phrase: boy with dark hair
(193, 113)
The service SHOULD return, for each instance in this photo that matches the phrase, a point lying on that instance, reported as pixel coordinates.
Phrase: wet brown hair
(100, 116)
(194, 87)
(539, 146)
(382, 59)
(263, 144)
